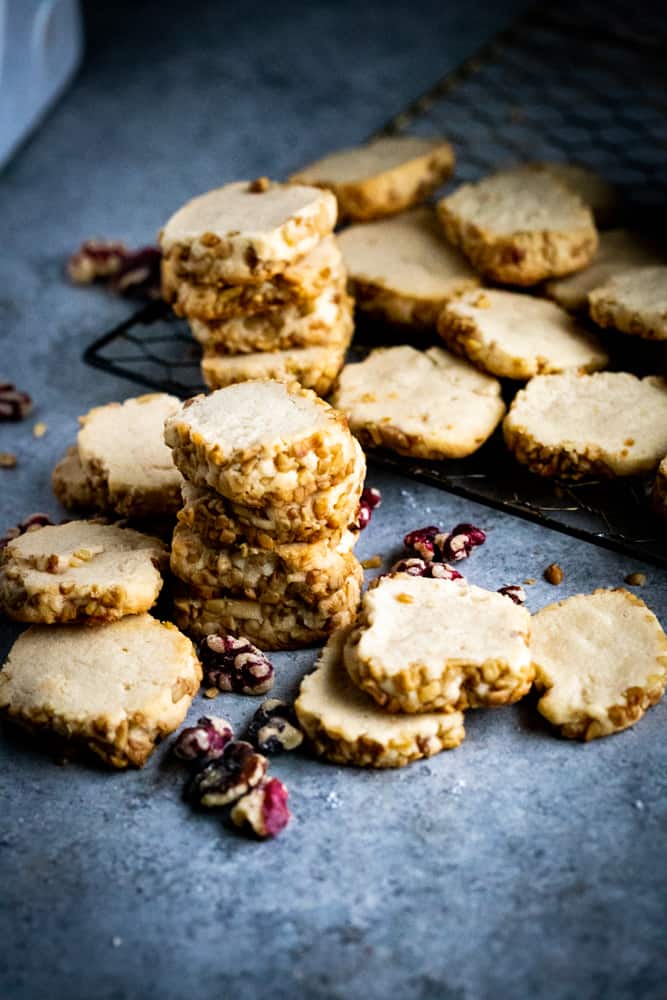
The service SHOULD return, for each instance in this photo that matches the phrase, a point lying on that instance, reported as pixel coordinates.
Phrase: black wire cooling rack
(581, 82)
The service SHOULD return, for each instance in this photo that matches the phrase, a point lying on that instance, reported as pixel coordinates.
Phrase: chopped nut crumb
(529, 581)
(7, 460)
(14, 404)
(554, 574)
(211, 692)
(636, 579)
(369, 397)
(404, 598)
(482, 301)
(39, 430)
(372, 563)
(259, 185)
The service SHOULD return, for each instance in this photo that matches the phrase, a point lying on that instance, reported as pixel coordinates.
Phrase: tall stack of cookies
(264, 542)
(255, 269)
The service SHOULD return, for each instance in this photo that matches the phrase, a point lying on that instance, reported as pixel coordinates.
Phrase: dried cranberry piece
(370, 499)
(205, 741)
(234, 664)
(264, 810)
(14, 403)
(514, 592)
(31, 523)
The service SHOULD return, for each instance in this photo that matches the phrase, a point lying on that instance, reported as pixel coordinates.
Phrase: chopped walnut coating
(226, 779)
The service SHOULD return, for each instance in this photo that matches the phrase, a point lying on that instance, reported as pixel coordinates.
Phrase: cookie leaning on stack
(262, 546)
(256, 271)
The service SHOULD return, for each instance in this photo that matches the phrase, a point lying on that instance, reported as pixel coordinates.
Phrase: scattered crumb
(259, 185)
(405, 598)
(639, 805)
(116, 941)
(482, 301)
(372, 563)
(369, 397)
(332, 800)
(553, 574)
(7, 460)
(529, 581)
(39, 430)
(211, 693)
(636, 579)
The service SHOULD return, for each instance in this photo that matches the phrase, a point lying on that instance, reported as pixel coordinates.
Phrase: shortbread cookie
(513, 335)
(633, 302)
(115, 689)
(297, 286)
(607, 424)
(401, 270)
(247, 231)
(520, 226)
(313, 368)
(297, 570)
(426, 404)
(346, 726)
(659, 494)
(81, 571)
(291, 625)
(326, 321)
(601, 660)
(320, 516)
(387, 176)
(619, 250)
(123, 455)
(72, 486)
(424, 645)
(601, 197)
(261, 443)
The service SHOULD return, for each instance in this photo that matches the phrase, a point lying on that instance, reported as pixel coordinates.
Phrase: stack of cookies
(264, 542)
(255, 269)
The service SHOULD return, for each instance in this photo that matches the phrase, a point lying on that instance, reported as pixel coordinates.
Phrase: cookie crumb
(211, 693)
(636, 579)
(259, 185)
(372, 563)
(116, 941)
(554, 574)
(482, 301)
(404, 598)
(529, 581)
(39, 430)
(7, 460)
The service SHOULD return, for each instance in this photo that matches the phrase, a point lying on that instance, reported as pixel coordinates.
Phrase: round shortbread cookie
(513, 335)
(633, 302)
(520, 226)
(115, 689)
(81, 571)
(386, 176)
(401, 270)
(313, 368)
(73, 488)
(618, 250)
(601, 660)
(123, 455)
(606, 424)
(426, 404)
(306, 571)
(659, 493)
(424, 645)
(320, 516)
(298, 285)
(247, 231)
(601, 197)
(290, 625)
(347, 727)
(260, 443)
(327, 321)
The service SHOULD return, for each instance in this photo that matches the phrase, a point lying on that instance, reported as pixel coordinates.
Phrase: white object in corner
(41, 43)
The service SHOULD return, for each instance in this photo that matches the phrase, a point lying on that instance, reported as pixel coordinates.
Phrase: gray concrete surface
(517, 866)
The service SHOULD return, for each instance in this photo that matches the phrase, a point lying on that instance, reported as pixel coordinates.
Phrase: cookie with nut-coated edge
(324, 321)
(263, 442)
(293, 624)
(389, 175)
(659, 492)
(324, 515)
(81, 571)
(346, 726)
(72, 487)
(606, 424)
(426, 404)
(247, 231)
(116, 689)
(313, 368)
(401, 270)
(430, 645)
(600, 661)
(298, 286)
(618, 250)
(520, 226)
(634, 302)
(514, 335)
(308, 571)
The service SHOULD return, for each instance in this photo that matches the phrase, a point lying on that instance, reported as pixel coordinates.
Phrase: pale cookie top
(518, 200)
(406, 255)
(599, 656)
(273, 224)
(111, 672)
(618, 250)
(610, 415)
(634, 301)
(359, 163)
(329, 696)
(124, 444)
(600, 196)
(430, 396)
(517, 336)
